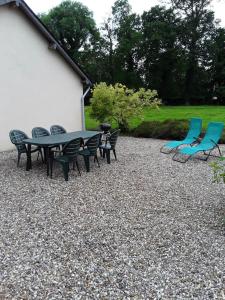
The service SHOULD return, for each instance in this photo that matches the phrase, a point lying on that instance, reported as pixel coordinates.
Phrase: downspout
(82, 107)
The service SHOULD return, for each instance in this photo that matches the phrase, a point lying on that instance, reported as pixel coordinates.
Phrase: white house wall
(37, 87)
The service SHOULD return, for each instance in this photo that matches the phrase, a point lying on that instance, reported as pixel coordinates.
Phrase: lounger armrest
(214, 143)
(197, 140)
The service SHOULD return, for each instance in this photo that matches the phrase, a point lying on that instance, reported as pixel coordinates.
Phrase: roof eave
(52, 41)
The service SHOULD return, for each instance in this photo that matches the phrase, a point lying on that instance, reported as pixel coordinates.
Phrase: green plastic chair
(17, 137)
(208, 144)
(68, 154)
(39, 132)
(195, 128)
(110, 145)
(57, 129)
(90, 149)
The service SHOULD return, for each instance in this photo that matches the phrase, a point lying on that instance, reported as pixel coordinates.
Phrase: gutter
(82, 107)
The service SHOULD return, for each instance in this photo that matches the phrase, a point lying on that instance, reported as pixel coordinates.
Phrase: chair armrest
(56, 151)
(198, 139)
(214, 143)
(20, 143)
(82, 142)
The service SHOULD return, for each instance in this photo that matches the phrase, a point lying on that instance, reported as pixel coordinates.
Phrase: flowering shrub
(119, 103)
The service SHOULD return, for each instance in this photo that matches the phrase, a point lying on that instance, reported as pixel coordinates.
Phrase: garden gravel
(144, 227)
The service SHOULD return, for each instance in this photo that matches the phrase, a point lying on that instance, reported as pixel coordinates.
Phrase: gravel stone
(144, 227)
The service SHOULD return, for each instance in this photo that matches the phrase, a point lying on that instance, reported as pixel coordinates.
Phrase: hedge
(168, 130)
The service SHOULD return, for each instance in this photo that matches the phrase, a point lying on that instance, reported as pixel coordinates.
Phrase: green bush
(218, 168)
(222, 140)
(168, 129)
(119, 104)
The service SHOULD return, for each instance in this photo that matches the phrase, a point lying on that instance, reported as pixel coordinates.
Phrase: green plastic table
(54, 140)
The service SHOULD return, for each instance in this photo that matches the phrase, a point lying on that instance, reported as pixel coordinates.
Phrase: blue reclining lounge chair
(208, 144)
(195, 129)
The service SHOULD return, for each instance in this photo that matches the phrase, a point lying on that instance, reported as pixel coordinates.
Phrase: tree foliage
(120, 104)
(177, 50)
(73, 25)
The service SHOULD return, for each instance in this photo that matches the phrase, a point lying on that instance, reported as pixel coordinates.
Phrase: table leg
(29, 163)
(46, 150)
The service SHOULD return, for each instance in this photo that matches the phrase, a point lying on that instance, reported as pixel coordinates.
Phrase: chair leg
(162, 150)
(108, 156)
(96, 158)
(181, 161)
(18, 159)
(219, 150)
(87, 163)
(208, 155)
(40, 153)
(42, 158)
(66, 170)
(78, 168)
(114, 152)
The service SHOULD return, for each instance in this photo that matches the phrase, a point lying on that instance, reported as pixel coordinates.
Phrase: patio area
(144, 227)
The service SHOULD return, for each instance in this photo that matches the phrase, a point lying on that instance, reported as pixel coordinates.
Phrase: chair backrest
(195, 128)
(57, 129)
(72, 148)
(113, 138)
(213, 132)
(39, 132)
(93, 144)
(17, 137)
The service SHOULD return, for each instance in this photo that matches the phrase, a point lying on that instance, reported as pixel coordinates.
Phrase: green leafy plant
(120, 104)
(218, 168)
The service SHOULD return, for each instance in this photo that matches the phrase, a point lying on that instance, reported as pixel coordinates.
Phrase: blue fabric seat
(194, 132)
(208, 143)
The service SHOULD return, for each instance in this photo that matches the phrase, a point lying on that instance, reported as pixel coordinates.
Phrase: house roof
(53, 43)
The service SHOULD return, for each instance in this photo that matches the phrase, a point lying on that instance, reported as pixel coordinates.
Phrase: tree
(218, 65)
(120, 104)
(108, 49)
(121, 33)
(161, 54)
(198, 24)
(73, 25)
(175, 50)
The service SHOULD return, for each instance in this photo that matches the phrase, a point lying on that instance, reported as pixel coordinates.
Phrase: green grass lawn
(207, 113)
